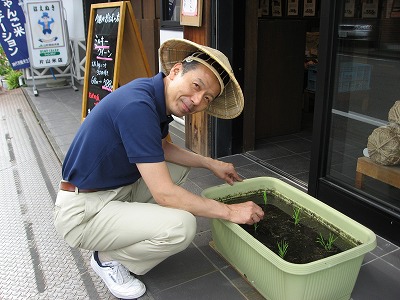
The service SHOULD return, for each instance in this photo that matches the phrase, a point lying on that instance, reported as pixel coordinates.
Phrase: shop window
(364, 145)
(170, 14)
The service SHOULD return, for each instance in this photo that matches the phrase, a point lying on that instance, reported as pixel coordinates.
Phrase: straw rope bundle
(384, 146)
(394, 118)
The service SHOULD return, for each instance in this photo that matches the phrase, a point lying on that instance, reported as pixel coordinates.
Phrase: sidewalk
(37, 264)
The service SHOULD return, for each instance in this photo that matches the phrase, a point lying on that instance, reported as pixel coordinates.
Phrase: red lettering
(94, 96)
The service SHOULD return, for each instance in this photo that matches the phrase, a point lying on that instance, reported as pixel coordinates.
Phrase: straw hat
(229, 104)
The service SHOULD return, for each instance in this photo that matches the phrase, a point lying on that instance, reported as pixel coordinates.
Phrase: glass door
(358, 158)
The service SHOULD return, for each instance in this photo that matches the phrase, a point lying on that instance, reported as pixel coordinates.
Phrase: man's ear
(175, 70)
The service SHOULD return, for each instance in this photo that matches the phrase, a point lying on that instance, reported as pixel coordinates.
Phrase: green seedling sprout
(265, 197)
(328, 243)
(255, 227)
(296, 215)
(282, 248)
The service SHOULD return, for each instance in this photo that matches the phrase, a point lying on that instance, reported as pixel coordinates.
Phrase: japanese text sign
(13, 36)
(102, 58)
(47, 38)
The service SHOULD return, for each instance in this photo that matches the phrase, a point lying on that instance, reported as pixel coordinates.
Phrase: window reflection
(367, 76)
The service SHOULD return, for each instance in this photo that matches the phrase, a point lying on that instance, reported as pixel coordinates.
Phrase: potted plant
(266, 268)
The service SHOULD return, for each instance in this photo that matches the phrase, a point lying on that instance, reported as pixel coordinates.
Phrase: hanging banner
(46, 33)
(13, 36)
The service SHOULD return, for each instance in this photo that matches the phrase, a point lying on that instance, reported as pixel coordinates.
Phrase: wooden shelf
(387, 174)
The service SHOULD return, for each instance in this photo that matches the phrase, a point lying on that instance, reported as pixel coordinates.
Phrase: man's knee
(178, 173)
(181, 234)
(190, 226)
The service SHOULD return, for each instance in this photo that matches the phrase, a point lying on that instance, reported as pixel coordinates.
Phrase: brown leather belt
(69, 187)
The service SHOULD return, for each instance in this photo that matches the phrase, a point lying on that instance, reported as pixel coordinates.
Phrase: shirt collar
(158, 81)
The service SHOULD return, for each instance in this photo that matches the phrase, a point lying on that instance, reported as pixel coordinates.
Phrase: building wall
(75, 20)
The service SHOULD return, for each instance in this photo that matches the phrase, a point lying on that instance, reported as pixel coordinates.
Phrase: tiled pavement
(37, 264)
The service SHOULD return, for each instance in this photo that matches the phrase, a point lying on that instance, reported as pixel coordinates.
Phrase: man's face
(191, 92)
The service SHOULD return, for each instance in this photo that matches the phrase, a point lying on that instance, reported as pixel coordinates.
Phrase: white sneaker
(117, 278)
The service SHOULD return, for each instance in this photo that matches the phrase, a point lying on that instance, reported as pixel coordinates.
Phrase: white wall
(73, 11)
(170, 34)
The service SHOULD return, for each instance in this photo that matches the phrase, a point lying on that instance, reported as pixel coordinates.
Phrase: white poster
(309, 8)
(349, 6)
(370, 9)
(276, 8)
(293, 8)
(46, 33)
(189, 8)
(264, 7)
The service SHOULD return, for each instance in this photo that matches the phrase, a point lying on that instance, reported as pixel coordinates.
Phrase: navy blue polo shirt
(125, 128)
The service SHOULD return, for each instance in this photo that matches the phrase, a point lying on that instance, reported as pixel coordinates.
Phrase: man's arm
(166, 193)
(177, 155)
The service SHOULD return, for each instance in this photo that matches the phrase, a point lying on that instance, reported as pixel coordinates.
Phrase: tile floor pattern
(196, 273)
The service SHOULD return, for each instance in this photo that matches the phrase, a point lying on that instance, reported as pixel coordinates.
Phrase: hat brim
(230, 103)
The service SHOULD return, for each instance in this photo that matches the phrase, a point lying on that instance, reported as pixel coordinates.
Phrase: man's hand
(245, 213)
(177, 155)
(225, 171)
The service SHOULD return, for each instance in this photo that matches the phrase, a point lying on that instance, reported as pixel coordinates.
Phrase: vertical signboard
(46, 33)
(13, 35)
(114, 52)
(102, 56)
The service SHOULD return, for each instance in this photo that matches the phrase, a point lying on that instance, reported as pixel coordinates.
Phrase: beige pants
(126, 224)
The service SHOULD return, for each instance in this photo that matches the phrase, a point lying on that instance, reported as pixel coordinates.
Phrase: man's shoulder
(139, 87)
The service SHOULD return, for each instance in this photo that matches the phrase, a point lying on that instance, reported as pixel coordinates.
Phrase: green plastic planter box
(333, 277)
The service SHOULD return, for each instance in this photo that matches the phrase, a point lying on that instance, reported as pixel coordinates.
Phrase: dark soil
(278, 226)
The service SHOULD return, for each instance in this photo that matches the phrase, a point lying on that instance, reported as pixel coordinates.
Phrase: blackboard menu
(102, 55)
(114, 52)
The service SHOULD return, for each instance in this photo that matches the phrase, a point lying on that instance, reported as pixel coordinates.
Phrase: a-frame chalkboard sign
(114, 52)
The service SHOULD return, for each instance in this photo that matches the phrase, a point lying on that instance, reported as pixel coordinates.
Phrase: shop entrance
(270, 56)
(287, 56)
